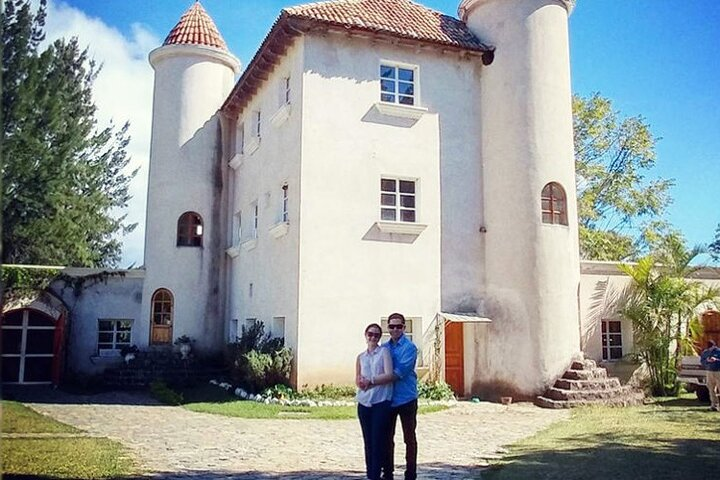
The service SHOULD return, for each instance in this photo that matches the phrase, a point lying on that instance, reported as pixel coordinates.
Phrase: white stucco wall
(191, 82)
(531, 268)
(351, 273)
(601, 292)
(272, 264)
(115, 296)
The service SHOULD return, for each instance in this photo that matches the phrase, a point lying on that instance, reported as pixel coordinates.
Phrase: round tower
(532, 270)
(194, 73)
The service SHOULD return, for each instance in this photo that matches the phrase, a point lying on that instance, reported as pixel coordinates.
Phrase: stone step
(560, 394)
(596, 384)
(591, 374)
(625, 400)
(583, 365)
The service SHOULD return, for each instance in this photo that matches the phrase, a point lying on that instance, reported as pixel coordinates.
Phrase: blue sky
(655, 58)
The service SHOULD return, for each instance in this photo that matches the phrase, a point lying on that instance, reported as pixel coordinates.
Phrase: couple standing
(387, 389)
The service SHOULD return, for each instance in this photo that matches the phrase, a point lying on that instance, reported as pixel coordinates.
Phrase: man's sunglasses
(397, 326)
(373, 335)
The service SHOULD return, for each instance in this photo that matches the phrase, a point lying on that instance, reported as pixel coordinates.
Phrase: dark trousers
(408, 419)
(374, 422)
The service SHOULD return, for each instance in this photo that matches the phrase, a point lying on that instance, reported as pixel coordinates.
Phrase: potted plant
(128, 352)
(185, 344)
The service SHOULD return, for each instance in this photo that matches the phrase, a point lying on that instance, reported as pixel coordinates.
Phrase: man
(405, 395)
(710, 359)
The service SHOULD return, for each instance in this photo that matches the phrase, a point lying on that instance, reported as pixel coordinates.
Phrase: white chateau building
(374, 156)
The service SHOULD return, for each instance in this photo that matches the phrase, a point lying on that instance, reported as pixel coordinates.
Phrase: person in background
(710, 359)
(374, 377)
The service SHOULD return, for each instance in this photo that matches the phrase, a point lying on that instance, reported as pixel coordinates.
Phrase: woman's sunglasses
(373, 335)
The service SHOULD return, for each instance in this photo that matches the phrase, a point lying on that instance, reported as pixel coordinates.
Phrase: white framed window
(240, 144)
(277, 329)
(611, 337)
(113, 334)
(248, 323)
(398, 200)
(233, 330)
(256, 213)
(398, 83)
(284, 216)
(412, 325)
(237, 228)
(257, 123)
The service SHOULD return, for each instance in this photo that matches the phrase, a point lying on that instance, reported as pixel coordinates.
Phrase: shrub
(328, 392)
(165, 394)
(257, 361)
(438, 390)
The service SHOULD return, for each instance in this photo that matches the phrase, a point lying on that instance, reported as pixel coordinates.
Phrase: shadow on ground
(49, 394)
(612, 458)
(427, 471)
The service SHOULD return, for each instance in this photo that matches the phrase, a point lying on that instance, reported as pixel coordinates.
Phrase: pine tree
(63, 176)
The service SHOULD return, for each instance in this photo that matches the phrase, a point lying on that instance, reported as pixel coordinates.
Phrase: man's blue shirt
(404, 356)
(704, 356)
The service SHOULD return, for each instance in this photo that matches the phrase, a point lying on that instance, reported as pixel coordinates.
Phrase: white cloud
(122, 92)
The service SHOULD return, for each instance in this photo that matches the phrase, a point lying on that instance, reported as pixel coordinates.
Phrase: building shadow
(426, 471)
(51, 395)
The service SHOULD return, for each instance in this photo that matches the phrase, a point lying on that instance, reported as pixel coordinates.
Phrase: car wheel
(702, 394)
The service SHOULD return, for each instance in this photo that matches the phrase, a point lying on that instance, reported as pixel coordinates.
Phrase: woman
(373, 377)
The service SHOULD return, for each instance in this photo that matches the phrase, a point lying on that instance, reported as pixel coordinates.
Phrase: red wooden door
(454, 365)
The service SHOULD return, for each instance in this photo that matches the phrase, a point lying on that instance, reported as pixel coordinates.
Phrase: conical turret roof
(196, 28)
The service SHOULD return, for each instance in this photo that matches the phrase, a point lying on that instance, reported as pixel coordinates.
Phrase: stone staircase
(162, 364)
(587, 384)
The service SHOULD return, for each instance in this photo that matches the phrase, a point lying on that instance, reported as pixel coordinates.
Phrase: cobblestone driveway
(173, 443)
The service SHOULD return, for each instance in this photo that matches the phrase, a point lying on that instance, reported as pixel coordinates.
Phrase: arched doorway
(161, 317)
(29, 346)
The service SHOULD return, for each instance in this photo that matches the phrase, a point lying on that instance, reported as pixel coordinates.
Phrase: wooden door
(711, 328)
(454, 361)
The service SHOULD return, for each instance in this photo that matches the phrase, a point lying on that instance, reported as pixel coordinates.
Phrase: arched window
(553, 204)
(189, 230)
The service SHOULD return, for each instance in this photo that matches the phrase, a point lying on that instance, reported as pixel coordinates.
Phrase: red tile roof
(400, 18)
(196, 28)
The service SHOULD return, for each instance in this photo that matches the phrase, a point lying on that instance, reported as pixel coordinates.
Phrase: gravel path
(173, 443)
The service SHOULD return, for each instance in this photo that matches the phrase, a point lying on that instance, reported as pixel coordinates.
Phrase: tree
(663, 306)
(617, 205)
(63, 176)
(714, 247)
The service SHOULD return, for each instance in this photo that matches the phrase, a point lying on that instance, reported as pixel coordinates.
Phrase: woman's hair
(375, 325)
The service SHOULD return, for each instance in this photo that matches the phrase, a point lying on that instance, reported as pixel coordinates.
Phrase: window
(241, 139)
(397, 84)
(233, 331)
(162, 307)
(611, 340)
(286, 91)
(397, 200)
(257, 122)
(411, 325)
(255, 220)
(554, 207)
(284, 214)
(248, 324)
(189, 230)
(277, 329)
(237, 234)
(113, 334)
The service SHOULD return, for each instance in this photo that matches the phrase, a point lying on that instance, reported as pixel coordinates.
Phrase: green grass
(77, 458)
(670, 439)
(245, 409)
(211, 399)
(56, 456)
(17, 418)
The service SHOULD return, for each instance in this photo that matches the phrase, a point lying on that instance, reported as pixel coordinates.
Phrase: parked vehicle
(691, 372)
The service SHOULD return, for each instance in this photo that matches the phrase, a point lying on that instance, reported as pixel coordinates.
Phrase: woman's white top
(372, 364)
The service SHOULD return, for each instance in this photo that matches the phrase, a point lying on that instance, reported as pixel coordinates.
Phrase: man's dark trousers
(408, 419)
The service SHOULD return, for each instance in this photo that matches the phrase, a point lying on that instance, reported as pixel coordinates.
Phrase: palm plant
(662, 302)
